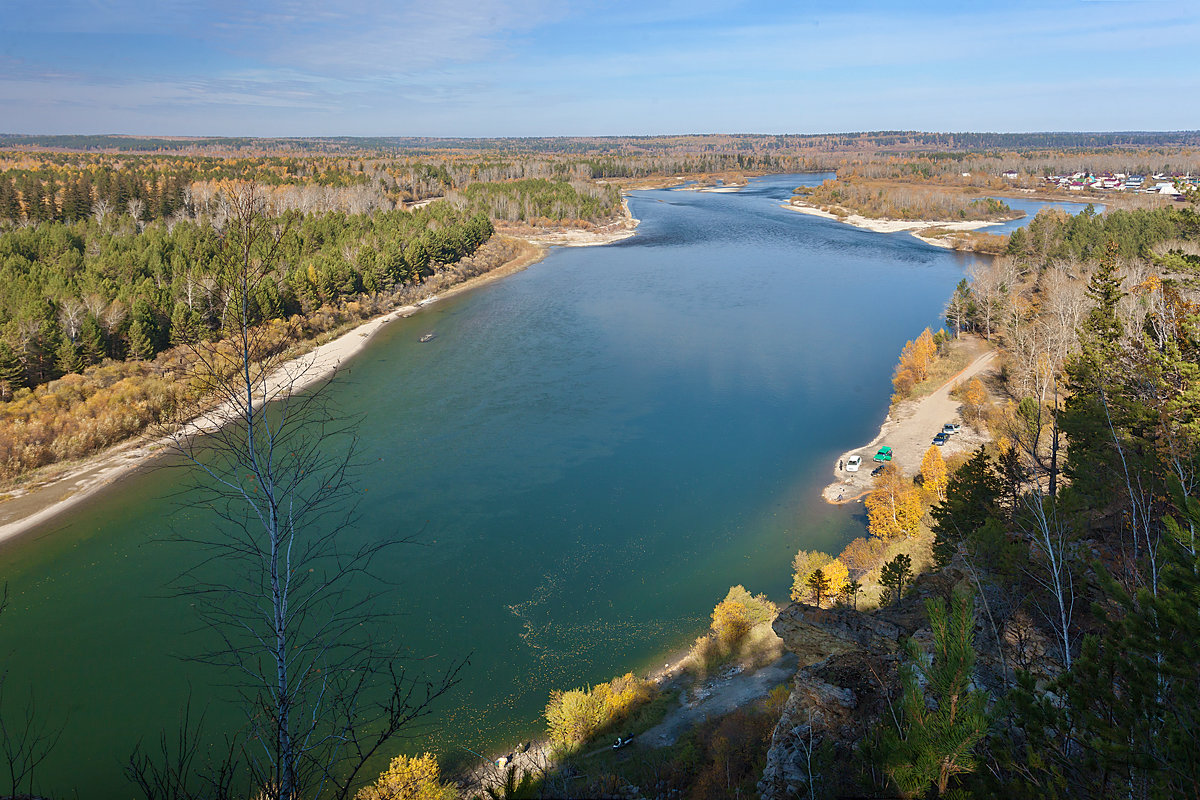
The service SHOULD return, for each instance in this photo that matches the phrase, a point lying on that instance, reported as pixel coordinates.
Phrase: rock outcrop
(849, 679)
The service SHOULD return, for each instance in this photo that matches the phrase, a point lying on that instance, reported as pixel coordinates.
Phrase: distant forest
(901, 141)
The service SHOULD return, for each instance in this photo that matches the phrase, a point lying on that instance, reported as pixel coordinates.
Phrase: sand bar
(890, 225)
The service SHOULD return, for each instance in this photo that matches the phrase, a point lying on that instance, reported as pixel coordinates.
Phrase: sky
(557, 68)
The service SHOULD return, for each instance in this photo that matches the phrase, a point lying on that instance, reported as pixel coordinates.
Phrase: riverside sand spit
(909, 429)
(879, 225)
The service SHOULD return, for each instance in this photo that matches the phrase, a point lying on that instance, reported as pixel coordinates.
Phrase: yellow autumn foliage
(734, 616)
(837, 574)
(894, 508)
(409, 778)
(933, 473)
(577, 715)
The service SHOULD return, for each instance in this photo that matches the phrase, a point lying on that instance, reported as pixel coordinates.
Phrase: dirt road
(909, 430)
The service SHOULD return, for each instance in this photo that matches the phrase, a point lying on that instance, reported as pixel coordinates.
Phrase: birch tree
(281, 581)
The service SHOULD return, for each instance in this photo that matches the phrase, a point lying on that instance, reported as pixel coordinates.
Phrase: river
(590, 452)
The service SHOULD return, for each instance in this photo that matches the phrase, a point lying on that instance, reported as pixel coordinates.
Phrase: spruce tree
(972, 498)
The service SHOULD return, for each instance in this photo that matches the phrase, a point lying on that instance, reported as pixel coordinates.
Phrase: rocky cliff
(849, 679)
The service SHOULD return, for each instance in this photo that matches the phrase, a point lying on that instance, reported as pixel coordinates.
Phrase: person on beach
(841, 464)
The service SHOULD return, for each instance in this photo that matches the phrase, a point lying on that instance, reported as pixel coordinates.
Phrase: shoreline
(908, 428)
(534, 755)
(63, 486)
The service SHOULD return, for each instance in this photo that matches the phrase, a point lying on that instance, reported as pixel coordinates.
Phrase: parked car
(878, 470)
(853, 463)
(951, 428)
(941, 439)
(884, 454)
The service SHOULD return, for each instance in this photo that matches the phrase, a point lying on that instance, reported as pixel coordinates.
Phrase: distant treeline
(415, 146)
(73, 294)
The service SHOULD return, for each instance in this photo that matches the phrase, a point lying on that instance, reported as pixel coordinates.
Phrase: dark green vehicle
(884, 454)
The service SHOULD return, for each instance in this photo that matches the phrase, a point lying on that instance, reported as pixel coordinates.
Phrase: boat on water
(428, 337)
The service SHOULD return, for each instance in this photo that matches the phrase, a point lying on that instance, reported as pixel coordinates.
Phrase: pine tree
(185, 325)
(12, 372)
(91, 340)
(1125, 720)
(934, 744)
(818, 586)
(141, 348)
(850, 592)
(1099, 413)
(960, 312)
(804, 563)
(10, 208)
(67, 357)
(894, 575)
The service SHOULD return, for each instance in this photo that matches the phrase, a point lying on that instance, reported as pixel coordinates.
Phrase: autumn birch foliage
(410, 778)
(894, 507)
(974, 401)
(915, 361)
(933, 473)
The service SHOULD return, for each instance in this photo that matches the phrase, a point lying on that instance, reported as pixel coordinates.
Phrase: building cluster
(1171, 185)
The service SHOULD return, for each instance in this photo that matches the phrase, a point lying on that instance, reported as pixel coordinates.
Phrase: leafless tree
(1051, 547)
(281, 584)
(100, 210)
(71, 312)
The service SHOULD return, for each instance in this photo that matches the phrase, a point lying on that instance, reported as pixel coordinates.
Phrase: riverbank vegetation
(740, 632)
(712, 755)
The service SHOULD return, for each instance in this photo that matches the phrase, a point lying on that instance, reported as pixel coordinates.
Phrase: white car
(853, 463)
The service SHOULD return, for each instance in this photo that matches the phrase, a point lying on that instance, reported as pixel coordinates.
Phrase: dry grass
(958, 354)
(918, 547)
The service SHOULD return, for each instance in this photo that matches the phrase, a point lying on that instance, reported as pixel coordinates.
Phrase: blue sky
(543, 67)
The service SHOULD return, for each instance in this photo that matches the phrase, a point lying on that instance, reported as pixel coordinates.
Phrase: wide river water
(591, 452)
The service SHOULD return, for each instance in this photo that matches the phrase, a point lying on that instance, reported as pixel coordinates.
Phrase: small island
(939, 217)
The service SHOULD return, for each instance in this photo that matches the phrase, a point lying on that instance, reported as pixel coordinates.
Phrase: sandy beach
(60, 487)
(909, 429)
